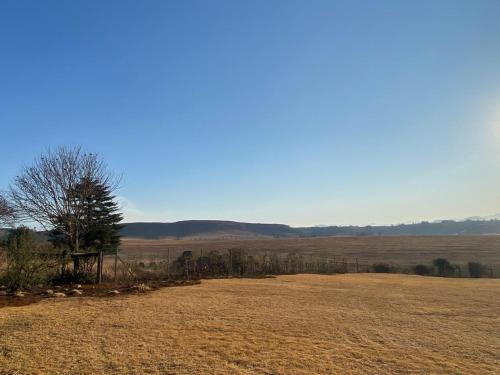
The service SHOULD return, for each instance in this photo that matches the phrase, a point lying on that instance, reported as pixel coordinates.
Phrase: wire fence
(200, 263)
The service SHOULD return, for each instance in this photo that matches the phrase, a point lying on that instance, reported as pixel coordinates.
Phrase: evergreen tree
(101, 221)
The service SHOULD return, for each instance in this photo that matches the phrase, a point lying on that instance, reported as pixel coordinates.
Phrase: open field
(398, 250)
(302, 324)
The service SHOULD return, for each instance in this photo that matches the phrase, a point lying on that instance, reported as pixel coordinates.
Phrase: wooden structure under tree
(85, 262)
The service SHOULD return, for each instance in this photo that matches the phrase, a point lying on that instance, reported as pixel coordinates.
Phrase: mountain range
(232, 229)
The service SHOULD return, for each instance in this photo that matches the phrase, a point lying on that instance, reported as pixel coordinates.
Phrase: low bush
(29, 262)
(444, 268)
(476, 269)
(422, 270)
(382, 268)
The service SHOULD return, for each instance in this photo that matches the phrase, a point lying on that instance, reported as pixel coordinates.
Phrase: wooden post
(99, 267)
(76, 265)
(116, 265)
(201, 264)
(168, 263)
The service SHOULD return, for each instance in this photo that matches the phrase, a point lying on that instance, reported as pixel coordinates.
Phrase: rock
(59, 295)
(113, 292)
(3, 293)
(141, 288)
(19, 293)
(78, 286)
(49, 292)
(76, 292)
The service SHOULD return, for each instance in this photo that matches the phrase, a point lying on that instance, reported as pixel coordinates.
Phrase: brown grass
(398, 250)
(304, 324)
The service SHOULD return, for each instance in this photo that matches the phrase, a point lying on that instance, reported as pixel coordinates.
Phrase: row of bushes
(236, 262)
(440, 267)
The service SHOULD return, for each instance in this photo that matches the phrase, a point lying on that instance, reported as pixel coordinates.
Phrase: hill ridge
(222, 228)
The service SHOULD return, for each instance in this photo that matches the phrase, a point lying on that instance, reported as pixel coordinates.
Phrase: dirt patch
(90, 290)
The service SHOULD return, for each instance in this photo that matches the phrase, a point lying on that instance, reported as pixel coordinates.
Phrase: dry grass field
(302, 324)
(398, 250)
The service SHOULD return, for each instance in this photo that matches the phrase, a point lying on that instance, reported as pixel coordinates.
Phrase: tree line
(237, 262)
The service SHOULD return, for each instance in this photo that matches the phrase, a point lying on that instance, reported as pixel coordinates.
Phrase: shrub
(444, 268)
(381, 268)
(29, 262)
(422, 270)
(476, 269)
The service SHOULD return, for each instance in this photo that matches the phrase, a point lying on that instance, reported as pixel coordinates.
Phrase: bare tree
(53, 190)
(6, 212)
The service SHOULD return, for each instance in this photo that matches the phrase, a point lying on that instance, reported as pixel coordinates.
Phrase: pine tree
(101, 220)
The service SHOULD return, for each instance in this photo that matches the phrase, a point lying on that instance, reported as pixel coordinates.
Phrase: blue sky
(298, 112)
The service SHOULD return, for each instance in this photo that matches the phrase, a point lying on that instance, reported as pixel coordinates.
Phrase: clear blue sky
(299, 112)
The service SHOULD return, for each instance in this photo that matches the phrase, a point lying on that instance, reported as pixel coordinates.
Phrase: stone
(3, 293)
(142, 288)
(76, 292)
(113, 292)
(49, 292)
(59, 295)
(78, 286)
(19, 293)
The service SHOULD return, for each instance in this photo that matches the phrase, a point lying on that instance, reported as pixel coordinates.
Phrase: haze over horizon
(300, 113)
(474, 218)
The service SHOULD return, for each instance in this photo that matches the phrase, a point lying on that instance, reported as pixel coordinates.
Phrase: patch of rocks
(141, 288)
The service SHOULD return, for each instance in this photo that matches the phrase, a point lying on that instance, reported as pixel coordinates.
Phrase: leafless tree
(52, 191)
(6, 212)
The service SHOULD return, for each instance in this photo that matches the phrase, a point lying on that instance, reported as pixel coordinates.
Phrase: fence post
(116, 264)
(168, 263)
(99, 267)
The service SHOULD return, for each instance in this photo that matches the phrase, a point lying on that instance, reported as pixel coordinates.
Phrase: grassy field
(303, 324)
(397, 250)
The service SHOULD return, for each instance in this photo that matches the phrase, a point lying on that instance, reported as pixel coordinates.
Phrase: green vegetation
(29, 262)
(381, 268)
(422, 270)
(476, 269)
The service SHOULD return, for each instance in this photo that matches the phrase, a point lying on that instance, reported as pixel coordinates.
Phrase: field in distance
(404, 250)
(300, 324)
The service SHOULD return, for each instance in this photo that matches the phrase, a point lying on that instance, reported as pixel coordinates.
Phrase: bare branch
(7, 215)
(51, 191)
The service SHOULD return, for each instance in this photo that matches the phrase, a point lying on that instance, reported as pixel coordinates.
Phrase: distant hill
(206, 228)
(222, 229)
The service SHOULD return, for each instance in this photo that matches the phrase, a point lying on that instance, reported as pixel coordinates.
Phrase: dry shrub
(29, 262)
